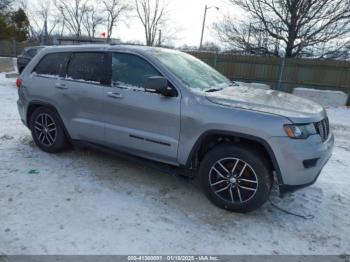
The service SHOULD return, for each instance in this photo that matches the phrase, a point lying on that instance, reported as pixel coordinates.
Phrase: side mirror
(157, 83)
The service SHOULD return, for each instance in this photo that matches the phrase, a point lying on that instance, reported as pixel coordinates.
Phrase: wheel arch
(211, 138)
(32, 106)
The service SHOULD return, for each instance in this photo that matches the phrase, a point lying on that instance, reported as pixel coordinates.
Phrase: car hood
(298, 110)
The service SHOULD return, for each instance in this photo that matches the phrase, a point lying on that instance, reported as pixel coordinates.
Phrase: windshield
(193, 72)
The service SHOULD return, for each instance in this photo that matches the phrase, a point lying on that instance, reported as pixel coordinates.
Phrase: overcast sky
(184, 15)
(187, 16)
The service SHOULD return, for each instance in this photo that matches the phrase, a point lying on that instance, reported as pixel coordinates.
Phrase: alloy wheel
(45, 129)
(233, 180)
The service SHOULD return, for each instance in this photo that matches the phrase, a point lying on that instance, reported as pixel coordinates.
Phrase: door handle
(61, 86)
(115, 95)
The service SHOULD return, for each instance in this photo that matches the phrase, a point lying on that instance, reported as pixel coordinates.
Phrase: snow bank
(11, 75)
(6, 64)
(326, 98)
(255, 85)
(14, 62)
(339, 116)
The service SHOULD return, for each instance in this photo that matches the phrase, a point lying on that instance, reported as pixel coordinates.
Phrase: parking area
(6, 64)
(88, 202)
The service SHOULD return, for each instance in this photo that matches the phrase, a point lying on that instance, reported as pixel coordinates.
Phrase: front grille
(322, 128)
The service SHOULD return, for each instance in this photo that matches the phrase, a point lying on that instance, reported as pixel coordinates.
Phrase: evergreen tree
(20, 23)
(14, 25)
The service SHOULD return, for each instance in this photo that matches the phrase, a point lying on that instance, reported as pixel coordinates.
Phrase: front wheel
(235, 178)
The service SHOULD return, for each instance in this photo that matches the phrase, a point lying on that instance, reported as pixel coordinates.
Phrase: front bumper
(300, 161)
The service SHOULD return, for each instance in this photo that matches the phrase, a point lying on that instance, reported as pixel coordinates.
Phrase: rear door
(44, 77)
(81, 96)
(138, 120)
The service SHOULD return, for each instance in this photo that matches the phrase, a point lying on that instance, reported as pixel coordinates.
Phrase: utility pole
(63, 25)
(281, 73)
(44, 35)
(160, 38)
(46, 39)
(205, 15)
(204, 18)
(249, 34)
(63, 21)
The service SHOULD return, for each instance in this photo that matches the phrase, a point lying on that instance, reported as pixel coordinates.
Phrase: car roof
(104, 47)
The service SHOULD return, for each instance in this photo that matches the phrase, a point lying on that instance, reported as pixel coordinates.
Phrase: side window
(130, 71)
(52, 64)
(89, 67)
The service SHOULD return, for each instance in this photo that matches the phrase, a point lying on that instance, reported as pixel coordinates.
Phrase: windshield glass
(193, 72)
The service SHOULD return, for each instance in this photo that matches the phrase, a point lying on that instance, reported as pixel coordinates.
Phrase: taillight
(19, 83)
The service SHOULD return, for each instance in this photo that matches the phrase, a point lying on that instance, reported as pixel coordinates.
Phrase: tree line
(13, 23)
(289, 28)
(282, 28)
(36, 20)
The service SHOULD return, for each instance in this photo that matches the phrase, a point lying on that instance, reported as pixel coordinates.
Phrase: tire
(229, 190)
(47, 130)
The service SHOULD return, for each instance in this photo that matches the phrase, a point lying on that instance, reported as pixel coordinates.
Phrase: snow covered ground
(87, 202)
(327, 98)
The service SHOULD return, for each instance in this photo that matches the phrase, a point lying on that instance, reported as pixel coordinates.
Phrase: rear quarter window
(88, 67)
(52, 64)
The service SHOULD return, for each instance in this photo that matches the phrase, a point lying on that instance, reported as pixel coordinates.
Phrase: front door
(139, 121)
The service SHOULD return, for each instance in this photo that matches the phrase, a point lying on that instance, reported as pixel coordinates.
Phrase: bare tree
(210, 46)
(249, 38)
(34, 28)
(91, 20)
(167, 35)
(42, 18)
(73, 13)
(115, 9)
(24, 5)
(295, 27)
(49, 20)
(4, 6)
(152, 15)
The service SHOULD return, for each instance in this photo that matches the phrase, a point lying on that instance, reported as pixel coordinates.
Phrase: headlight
(300, 131)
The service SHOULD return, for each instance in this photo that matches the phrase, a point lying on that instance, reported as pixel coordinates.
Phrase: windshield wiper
(212, 90)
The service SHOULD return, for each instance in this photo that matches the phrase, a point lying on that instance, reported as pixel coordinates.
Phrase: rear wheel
(235, 178)
(47, 130)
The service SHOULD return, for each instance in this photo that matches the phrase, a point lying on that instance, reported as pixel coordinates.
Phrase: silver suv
(169, 107)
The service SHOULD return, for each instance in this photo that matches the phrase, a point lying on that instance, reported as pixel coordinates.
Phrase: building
(73, 40)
